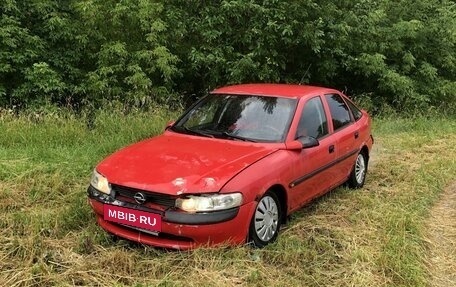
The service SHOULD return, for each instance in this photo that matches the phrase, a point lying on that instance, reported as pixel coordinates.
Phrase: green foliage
(402, 58)
(407, 49)
(39, 55)
(390, 55)
(127, 47)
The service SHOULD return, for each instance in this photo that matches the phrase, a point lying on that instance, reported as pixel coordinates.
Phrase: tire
(359, 171)
(265, 224)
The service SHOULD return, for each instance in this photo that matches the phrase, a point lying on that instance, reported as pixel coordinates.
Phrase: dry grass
(441, 237)
(371, 237)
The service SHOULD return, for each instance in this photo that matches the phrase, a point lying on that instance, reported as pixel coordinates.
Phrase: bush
(398, 53)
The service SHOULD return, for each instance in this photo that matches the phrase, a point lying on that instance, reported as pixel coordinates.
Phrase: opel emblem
(140, 198)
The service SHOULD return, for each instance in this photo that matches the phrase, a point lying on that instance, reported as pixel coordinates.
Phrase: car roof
(280, 90)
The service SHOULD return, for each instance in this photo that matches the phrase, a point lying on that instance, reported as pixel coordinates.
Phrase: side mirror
(294, 145)
(169, 124)
(308, 142)
(302, 143)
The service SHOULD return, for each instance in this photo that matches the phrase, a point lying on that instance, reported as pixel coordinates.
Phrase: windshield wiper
(211, 134)
(197, 132)
(228, 135)
(186, 130)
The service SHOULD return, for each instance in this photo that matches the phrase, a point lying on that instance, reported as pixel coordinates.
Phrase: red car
(233, 167)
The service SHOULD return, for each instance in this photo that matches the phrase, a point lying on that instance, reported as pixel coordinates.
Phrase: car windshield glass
(239, 117)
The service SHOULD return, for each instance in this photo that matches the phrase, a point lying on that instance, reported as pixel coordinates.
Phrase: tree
(394, 54)
(128, 49)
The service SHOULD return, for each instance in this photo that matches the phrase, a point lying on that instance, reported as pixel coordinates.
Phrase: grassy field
(369, 237)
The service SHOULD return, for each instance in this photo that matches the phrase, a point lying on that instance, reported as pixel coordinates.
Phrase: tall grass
(368, 237)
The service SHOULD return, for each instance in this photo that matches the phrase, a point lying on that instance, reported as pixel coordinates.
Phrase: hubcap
(360, 168)
(266, 218)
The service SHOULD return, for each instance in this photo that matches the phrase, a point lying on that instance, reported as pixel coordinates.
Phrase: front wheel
(265, 223)
(359, 171)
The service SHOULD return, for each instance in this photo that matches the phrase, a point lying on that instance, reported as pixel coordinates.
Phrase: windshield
(239, 117)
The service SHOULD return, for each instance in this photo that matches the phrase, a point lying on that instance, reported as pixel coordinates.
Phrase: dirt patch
(442, 240)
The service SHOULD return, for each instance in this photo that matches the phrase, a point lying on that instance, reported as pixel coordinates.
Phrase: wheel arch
(365, 151)
(281, 193)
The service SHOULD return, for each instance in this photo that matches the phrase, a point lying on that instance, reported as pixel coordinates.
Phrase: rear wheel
(359, 171)
(265, 223)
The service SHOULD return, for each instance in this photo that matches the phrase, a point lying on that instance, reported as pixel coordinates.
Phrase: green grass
(369, 237)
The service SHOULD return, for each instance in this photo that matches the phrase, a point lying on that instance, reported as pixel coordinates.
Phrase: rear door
(345, 133)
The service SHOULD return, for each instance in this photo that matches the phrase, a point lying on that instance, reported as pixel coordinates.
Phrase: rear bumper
(180, 230)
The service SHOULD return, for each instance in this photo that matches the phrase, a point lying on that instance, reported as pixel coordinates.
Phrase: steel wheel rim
(360, 168)
(266, 218)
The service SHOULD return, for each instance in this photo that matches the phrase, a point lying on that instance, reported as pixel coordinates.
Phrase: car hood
(176, 163)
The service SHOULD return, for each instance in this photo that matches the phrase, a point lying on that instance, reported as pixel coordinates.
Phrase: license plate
(132, 217)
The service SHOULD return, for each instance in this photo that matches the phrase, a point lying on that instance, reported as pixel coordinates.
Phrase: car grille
(151, 197)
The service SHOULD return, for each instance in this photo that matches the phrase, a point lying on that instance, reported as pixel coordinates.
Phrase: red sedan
(233, 167)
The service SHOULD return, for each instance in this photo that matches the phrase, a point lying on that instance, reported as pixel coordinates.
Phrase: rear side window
(339, 111)
(357, 114)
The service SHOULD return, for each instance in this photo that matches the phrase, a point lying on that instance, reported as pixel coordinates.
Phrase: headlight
(100, 182)
(213, 202)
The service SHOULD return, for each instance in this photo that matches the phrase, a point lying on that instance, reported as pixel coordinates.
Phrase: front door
(313, 172)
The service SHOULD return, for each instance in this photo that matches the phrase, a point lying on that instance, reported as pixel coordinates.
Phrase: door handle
(331, 148)
(356, 134)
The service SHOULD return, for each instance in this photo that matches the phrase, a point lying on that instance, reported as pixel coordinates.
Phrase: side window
(339, 111)
(313, 120)
(357, 114)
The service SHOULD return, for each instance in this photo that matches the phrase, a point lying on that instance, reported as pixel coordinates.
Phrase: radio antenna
(305, 74)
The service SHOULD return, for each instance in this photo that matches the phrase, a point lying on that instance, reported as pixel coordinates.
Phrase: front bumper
(180, 230)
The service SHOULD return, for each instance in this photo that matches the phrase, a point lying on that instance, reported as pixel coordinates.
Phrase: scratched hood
(175, 163)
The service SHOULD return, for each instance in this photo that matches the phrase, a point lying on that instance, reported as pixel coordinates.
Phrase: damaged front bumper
(180, 230)
(168, 215)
